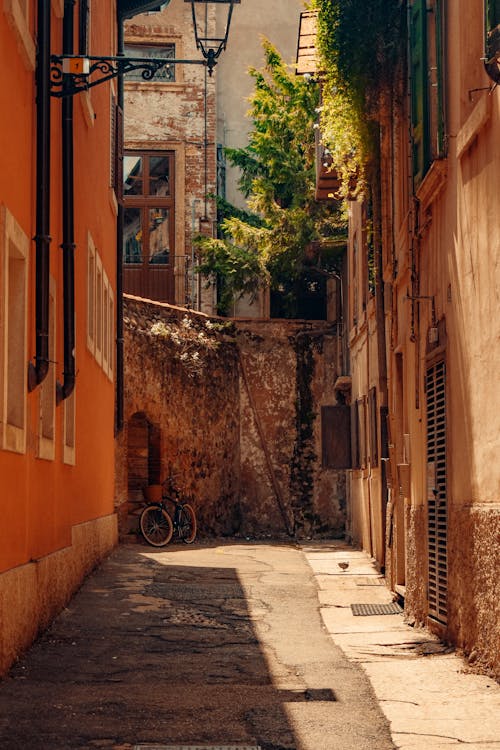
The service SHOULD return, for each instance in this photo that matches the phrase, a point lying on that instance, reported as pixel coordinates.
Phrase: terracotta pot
(152, 493)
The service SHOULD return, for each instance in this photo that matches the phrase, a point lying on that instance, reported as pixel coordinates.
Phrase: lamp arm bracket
(71, 74)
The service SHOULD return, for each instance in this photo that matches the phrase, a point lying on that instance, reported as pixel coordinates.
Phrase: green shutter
(419, 90)
(492, 39)
(440, 140)
(492, 14)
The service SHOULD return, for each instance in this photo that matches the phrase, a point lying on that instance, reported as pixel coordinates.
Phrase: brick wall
(232, 408)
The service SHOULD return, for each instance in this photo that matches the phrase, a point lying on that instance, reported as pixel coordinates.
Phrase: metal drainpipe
(65, 389)
(38, 371)
(119, 406)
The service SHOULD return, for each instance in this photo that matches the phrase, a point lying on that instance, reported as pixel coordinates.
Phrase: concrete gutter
(424, 689)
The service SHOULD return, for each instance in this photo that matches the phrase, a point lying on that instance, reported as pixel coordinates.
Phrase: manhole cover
(376, 609)
(196, 747)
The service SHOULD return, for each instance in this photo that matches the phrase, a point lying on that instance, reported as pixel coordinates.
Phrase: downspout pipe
(65, 389)
(119, 406)
(38, 371)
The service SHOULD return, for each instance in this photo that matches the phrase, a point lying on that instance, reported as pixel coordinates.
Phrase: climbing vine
(360, 45)
(304, 456)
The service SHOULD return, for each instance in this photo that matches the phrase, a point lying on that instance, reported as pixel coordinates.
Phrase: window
(427, 112)
(100, 312)
(165, 51)
(91, 295)
(47, 391)
(14, 252)
(148, 242)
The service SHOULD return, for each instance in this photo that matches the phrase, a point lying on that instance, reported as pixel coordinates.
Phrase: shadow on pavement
(149, 652)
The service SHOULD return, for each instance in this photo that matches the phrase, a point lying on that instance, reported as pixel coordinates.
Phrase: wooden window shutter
(118, 153)
(336, 436)
(419, 90)
(439, 84)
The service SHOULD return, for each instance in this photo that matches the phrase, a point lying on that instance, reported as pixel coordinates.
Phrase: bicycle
(157, 525)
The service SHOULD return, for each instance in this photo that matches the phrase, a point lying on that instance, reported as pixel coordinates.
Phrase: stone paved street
(210, 645)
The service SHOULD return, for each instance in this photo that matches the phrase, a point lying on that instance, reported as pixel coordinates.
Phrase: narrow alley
(223, 645)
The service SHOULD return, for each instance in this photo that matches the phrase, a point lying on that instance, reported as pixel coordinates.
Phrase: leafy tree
(271, 243)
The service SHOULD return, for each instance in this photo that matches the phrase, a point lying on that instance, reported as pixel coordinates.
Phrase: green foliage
(277, 167)
(360, 44)
(235, 269)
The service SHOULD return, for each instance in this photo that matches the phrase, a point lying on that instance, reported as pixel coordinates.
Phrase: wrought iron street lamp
(210, 47)
(70, 74)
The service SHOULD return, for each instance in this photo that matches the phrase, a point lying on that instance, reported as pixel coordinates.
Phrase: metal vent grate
(392, 608)
(437, 522)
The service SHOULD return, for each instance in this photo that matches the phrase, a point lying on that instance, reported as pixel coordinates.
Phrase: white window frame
(14, 246)
(105, 322)
(111, 334)
(91, 291)
(99, 317)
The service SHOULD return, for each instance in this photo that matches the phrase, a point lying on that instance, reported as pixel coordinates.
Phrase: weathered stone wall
(187, 387)
(288, 372)
(474, 586)
(233, 410)
(473, 589)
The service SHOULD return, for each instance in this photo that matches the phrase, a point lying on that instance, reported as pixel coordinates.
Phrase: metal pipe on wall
(65, 389)
(119, 393)
(38, 371)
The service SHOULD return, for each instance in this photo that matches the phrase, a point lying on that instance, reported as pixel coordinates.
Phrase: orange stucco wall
(43, 500)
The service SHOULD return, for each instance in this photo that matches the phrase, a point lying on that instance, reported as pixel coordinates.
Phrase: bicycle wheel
(156, 525)
(186, 524)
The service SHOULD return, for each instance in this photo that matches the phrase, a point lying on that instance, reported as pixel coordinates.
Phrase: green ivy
(360, 45)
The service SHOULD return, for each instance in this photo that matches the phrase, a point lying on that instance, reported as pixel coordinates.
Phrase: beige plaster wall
(277, 21)
(367, 500)
(454, 262)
